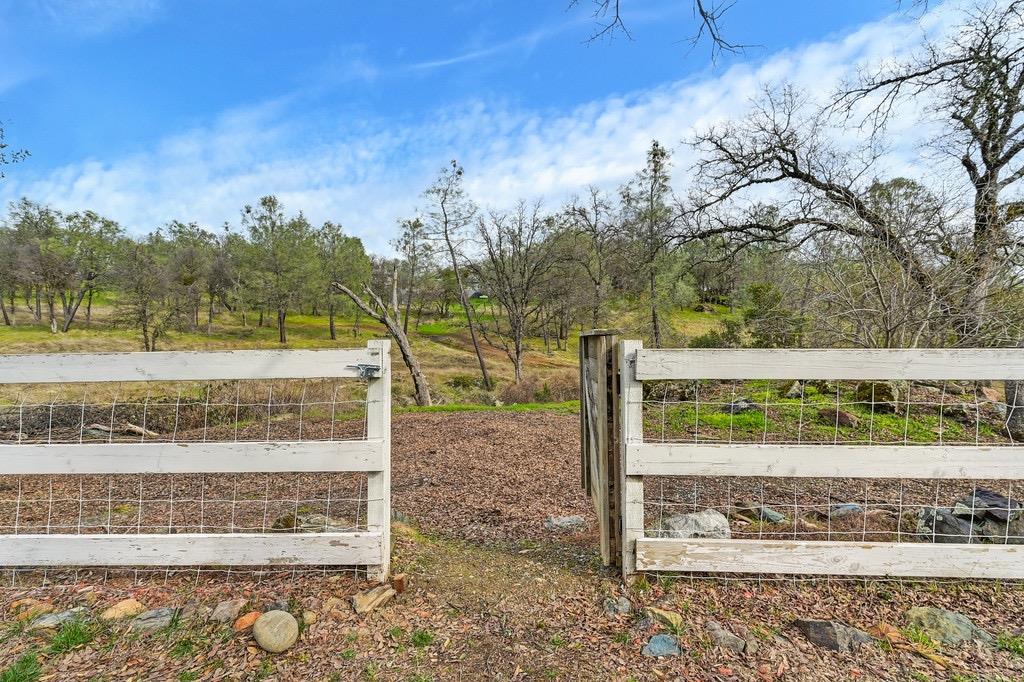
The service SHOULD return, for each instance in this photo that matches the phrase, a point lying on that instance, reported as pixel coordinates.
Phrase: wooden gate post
(599, 460)
(378, 483)
(631, 431)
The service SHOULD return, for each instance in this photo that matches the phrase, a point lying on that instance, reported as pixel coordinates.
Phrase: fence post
(378, 483)
(599, 456)
(631, 431)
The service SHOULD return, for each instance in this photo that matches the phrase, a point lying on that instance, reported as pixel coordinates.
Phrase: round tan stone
(126, 608)
(276, 631)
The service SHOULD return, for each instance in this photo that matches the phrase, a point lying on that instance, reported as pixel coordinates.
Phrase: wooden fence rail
(372, 456)
(639, 459)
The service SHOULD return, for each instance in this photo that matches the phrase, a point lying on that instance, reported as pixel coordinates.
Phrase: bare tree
(450, 213)
(972, 81)
(594, 222)
(519, 255)
(388, 314)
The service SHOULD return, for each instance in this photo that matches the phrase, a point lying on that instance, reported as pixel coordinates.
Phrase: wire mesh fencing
(959, 419)
(181, 413)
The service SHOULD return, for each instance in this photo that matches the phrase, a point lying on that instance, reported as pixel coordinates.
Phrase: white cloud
(88, 18)
(369, 173)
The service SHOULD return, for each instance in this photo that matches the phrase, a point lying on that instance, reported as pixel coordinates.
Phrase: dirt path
(494, 595)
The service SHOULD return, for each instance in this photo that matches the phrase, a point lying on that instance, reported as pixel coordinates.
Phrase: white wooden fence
(371, 456)
(862, 558)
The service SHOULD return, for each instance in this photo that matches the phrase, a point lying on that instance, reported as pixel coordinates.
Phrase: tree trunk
(261, 318)
(392, 323)
(88, 309)
(70, 313)
(3, 309)
(209, 318)
(655, 323)
(469, 314)
(408, 298)
(282, 336)
(357, 323)
(39, 305)
(1015, 406)
(330, 317)
(14, 310)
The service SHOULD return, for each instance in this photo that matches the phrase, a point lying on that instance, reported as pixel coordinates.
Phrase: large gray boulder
(833, 635)
(947, 627)
(709, 523)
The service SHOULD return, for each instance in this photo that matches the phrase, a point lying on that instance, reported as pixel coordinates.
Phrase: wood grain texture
(236, 549)
(181, 458)
(631, 403)
(886, 559)
(378, 484)
(863, 364)
(182, 365)
(824, 461)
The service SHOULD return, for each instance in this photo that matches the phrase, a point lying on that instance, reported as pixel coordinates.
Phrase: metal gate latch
(365, 371)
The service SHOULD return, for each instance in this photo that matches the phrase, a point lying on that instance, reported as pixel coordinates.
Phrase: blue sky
(152, 110)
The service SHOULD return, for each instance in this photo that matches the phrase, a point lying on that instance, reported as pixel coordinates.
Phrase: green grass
(1011, 643)
(25, 669)
(71, 635)
(422, 638)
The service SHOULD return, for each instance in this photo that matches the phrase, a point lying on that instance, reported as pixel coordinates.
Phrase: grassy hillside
(442, 345)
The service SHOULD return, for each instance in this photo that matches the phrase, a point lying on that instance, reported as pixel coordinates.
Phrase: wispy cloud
(369, 173)
(89, 18)
(524, 42)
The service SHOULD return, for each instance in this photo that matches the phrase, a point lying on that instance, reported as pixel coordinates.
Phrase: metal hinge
(366, 371)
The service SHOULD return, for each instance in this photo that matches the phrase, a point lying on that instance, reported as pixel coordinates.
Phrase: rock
(833, 635)
(565, 523)
(154, 619)
(941, 525)
(991, 395)
(846, 509)
(54, 620)
(245, 622)
(126, 608)
(839, 417)
(227, 611)
(884, 394)
(29, 608)
(947, 627)
(310, 523)
(399, 581)
(983, 502)
(1003, 533)
(823, 387)
(278, 604)
(709, 523)
(618, 606)
(364, 602)
(795, 391)
(662, 645)
(195, 611)
(310, 617)
(276, 631)
(725, 639)
(739, 405)
(754, 512)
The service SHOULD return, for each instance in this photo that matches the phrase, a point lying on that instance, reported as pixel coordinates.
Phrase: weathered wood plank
(378, 484)
(631, 402)
(864, 364)
(827, 461)
(182, 365)
(832, 558)
(181, 458)
(236, 549)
